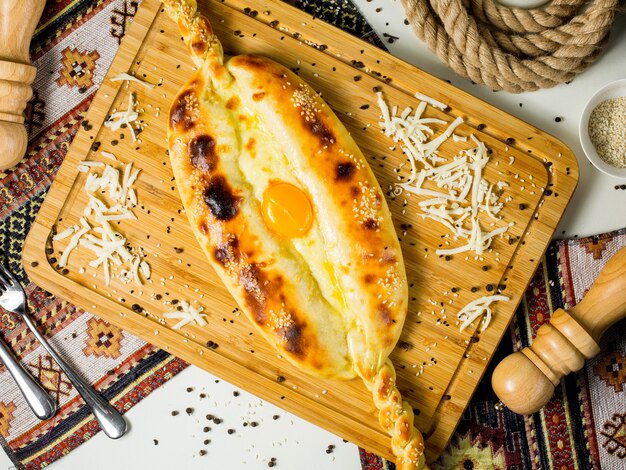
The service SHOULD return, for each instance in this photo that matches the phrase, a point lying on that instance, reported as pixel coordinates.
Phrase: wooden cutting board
(438, 367)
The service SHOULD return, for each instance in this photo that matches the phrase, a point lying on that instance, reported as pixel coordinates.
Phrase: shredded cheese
(118, 119)
(186, 314)
(108, 155)
(64, 234)
(459, 194)
(477, 308)
(74, 242)
(108, 245)
(431, 101)
(131, 78)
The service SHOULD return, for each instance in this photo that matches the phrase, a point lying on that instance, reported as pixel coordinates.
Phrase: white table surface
(596, 207)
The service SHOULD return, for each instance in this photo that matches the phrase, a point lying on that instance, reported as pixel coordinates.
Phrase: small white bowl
(612, 90)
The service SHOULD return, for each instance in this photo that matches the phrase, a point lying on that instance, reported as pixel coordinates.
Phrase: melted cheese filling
(263, 165)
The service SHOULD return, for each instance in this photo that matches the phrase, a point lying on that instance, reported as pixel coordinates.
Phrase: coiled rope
(514, 49)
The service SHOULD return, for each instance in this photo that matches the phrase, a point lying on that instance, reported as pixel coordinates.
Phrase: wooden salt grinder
(18, 19)
(525, 381)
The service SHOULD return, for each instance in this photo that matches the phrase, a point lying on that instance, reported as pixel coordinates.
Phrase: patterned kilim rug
(584, 426)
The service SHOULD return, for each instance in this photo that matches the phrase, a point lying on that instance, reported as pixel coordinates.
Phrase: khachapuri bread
(291, 217)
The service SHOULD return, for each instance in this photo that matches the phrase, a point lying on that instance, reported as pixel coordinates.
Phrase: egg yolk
(287, 210)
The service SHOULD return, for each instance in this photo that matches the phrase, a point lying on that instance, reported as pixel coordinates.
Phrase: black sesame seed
(523, 206)
(280, 379)
(509, 141)
(235, 393)
(174, 413)
(558, 119)
(474, 289)
(275, 417)
(156, 442)
(480, 127)
(189, 389)
(202, 452)
(231, 431)
(207, 441)
(206, 429)
(489, 287)
(189, 411)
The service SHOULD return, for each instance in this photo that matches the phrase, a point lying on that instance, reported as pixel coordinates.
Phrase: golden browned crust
(334, 301)
(351, 193)
(371, 261)
(198, 151)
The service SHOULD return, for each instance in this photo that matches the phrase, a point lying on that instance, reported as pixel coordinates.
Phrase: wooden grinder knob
(18, 19)
(525, 381)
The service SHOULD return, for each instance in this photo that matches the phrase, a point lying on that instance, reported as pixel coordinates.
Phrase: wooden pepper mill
(18, 19)
(525, 381)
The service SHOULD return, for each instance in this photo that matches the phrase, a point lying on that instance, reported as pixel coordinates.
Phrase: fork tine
(6, 276)
(3, 280)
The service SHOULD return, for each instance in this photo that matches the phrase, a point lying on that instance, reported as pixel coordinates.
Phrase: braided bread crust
(395, 416)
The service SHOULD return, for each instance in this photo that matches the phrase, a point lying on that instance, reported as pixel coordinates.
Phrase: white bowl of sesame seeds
(602, 129)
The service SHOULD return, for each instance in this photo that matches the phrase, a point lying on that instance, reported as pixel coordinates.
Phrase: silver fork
(42, 404)
(12, 298)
